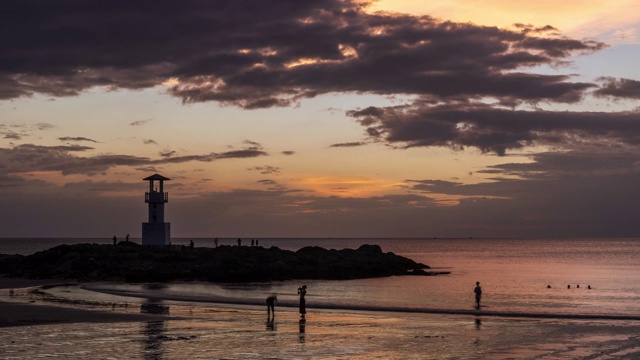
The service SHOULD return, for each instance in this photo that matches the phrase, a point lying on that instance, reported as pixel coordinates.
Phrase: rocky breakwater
(131, 262)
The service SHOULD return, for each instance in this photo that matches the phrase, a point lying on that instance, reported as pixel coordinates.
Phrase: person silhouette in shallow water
(302, 291)
(478, 292)
(271, 310)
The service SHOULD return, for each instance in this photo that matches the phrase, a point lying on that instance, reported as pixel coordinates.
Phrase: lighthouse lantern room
(156, 232)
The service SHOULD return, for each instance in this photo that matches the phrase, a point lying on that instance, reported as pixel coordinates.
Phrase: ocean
(532, 290)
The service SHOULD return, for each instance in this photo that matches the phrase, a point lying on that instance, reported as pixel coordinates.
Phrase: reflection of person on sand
(271, 310)
(301, 327)
(302, 291)
(478, 292)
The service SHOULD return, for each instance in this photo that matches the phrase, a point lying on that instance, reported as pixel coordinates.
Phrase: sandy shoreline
(19, 310)
(204, 331)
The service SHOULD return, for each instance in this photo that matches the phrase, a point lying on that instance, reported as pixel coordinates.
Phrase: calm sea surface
(514, 274)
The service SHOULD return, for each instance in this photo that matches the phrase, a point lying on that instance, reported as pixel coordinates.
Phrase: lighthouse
(156, 232)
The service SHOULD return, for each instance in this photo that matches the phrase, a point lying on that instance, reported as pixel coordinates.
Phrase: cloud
(288, 152)
(149, 142)
(266, 170)
(140, 122)
(45, 126)
(76, 139)
(30, 158)
(495, 129)
(253, 144)
(246, 153)
(12, 135)
(348, 144)
(167, 153)
(568, 194)
(275, 54)
(619, 88)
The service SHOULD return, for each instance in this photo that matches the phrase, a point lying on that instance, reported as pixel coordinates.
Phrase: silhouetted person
(114, 239)
(215, 241)
(239, 242)
(191, 244)
(271, 310)
(252, 242)
(256, 242)
(478, 292)
(302, 291)
(127, 237)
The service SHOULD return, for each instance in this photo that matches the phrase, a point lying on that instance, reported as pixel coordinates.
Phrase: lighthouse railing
(156, 197)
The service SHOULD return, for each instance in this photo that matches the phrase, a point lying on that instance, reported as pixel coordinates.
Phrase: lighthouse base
(156, 234)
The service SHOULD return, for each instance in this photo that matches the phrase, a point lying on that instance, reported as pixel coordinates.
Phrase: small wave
(350, 307)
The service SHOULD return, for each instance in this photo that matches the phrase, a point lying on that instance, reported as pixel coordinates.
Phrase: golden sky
(582, 18)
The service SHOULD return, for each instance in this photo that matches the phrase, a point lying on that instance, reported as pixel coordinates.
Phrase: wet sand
(19, 314)
(205, 331)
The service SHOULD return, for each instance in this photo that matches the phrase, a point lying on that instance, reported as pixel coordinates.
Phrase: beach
(34, 326)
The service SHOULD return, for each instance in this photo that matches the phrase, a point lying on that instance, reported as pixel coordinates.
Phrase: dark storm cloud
(619, 88)
(77, 139)
(258, 54)
(494, 129)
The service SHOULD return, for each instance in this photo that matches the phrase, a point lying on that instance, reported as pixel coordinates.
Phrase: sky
(321, 118)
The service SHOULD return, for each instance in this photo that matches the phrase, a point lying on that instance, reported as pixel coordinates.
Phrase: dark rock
(134, 263)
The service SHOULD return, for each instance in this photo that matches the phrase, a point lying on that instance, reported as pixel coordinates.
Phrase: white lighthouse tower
(156, 232)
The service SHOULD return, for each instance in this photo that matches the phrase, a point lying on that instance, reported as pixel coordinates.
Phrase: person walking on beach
(478, 292)
(271, 310)
(114, 239)
(302, 291)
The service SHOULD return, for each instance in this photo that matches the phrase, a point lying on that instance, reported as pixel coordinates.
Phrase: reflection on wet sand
(302, 325)
(154, 331)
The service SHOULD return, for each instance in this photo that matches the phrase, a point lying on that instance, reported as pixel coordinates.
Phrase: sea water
(525, 276)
